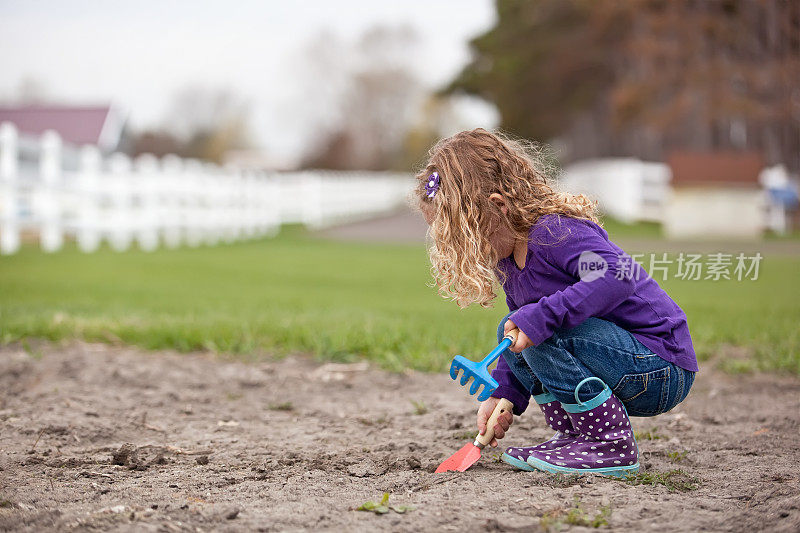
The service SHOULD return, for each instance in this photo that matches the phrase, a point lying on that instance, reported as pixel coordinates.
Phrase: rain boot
(605, 444)
(558, 419)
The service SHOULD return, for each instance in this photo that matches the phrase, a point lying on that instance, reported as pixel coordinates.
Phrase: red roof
(76, 125)
(715, 169)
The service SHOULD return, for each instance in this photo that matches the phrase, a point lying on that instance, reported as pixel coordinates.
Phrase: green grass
(338, 301)
(419, 407)
(639, 230)
(288, 294)
(761, 316)
(576, 515)
(650, 434)
(673, 480)
(282, 406)
(383, 506)
(677, 456)
(793, 235)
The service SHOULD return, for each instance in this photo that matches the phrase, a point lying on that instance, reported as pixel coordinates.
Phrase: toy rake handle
(508, 340)
(502, 406)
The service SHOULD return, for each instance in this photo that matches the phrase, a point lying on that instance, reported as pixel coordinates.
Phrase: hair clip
(432, 185)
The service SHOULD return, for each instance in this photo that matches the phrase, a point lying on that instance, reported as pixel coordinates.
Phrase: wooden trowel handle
(512, 335)
(502, 406)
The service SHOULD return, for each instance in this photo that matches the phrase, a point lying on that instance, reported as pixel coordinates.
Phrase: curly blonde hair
(472, 165)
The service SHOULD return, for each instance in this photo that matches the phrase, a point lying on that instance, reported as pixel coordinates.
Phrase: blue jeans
(647, 384)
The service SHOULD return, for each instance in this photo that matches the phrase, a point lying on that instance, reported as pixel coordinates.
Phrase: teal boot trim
(611, 471)
(517, 463)
(544, 398)
(580, 406)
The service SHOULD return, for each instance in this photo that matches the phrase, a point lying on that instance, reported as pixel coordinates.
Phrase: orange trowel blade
(461, 460)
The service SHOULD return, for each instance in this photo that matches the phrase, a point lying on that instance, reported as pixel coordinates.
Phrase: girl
(598, 339)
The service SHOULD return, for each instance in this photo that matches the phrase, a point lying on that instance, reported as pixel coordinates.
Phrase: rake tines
(478, 371)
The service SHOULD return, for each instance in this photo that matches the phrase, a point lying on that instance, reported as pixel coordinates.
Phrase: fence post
(121, 227)
(216, 220)
(171, 200)
(52, 228)
(312, 199)
(260, 209)
(88, 235)
(191, 183)
(246, 216)
(230, 210)
(270, 207)
(9, 168)
(204, 215)
(146, 175)
(240, 208)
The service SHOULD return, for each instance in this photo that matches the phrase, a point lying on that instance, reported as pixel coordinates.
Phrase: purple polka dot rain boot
(605, 445)
(557, 418)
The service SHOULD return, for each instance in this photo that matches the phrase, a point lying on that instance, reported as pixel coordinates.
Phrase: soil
(97, 437)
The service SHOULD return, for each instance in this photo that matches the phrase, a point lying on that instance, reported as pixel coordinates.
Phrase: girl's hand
(503, 421)
(522, 341)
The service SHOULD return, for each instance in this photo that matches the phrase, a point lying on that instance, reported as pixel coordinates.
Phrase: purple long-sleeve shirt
(573, 272)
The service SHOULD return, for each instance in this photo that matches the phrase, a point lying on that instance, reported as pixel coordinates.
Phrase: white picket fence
(628, 189)
(59, 192)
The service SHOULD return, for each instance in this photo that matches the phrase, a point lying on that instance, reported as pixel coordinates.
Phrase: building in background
(715, 195)
(98, 125)
(631, 190)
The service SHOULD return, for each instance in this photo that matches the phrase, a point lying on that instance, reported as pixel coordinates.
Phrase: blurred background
(234, 178)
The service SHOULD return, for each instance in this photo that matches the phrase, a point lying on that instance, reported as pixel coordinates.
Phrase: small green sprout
(563, 480)
(650, 434)
(674, 480)
(575, 516)
(419, 407)
(464, 435)
(676, 456)
(35, 353)
(383, 506)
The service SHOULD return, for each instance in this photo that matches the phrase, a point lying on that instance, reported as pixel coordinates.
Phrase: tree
(644, 76)
(544, 62)
(375, 95)
(207, 122)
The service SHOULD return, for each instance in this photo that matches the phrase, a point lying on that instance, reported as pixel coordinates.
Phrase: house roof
(715, 169)
(99, 125)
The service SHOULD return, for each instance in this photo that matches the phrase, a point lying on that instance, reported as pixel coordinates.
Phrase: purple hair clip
(432, 185)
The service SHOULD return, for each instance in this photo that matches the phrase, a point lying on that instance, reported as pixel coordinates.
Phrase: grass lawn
(339, 301)
(637, 230)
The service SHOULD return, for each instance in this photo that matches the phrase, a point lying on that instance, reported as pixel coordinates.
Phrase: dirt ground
(96, 437)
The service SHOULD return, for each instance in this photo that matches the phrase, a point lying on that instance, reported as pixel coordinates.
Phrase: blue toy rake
(479, 371)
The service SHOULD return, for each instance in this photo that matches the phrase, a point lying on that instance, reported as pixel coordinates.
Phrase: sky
(139, 54)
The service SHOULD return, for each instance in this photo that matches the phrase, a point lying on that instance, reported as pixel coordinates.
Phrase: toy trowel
(470, 453)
